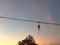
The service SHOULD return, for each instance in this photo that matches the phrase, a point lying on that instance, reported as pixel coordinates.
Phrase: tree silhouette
(27, 41)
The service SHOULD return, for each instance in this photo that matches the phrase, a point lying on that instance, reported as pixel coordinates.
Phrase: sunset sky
(11, 31)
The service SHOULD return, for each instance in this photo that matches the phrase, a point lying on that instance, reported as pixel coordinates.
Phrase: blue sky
(54, 9)
(40, 10)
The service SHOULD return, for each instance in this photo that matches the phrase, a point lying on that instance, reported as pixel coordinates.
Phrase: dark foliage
(27, 41)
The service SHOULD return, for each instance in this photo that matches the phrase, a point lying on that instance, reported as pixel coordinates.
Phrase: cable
(29, 20)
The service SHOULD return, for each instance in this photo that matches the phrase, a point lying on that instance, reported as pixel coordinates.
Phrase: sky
(11, 31)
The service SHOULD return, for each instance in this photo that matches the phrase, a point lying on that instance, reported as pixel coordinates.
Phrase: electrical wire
(28, 20)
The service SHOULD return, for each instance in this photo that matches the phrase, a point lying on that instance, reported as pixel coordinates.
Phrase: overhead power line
(28, 20)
